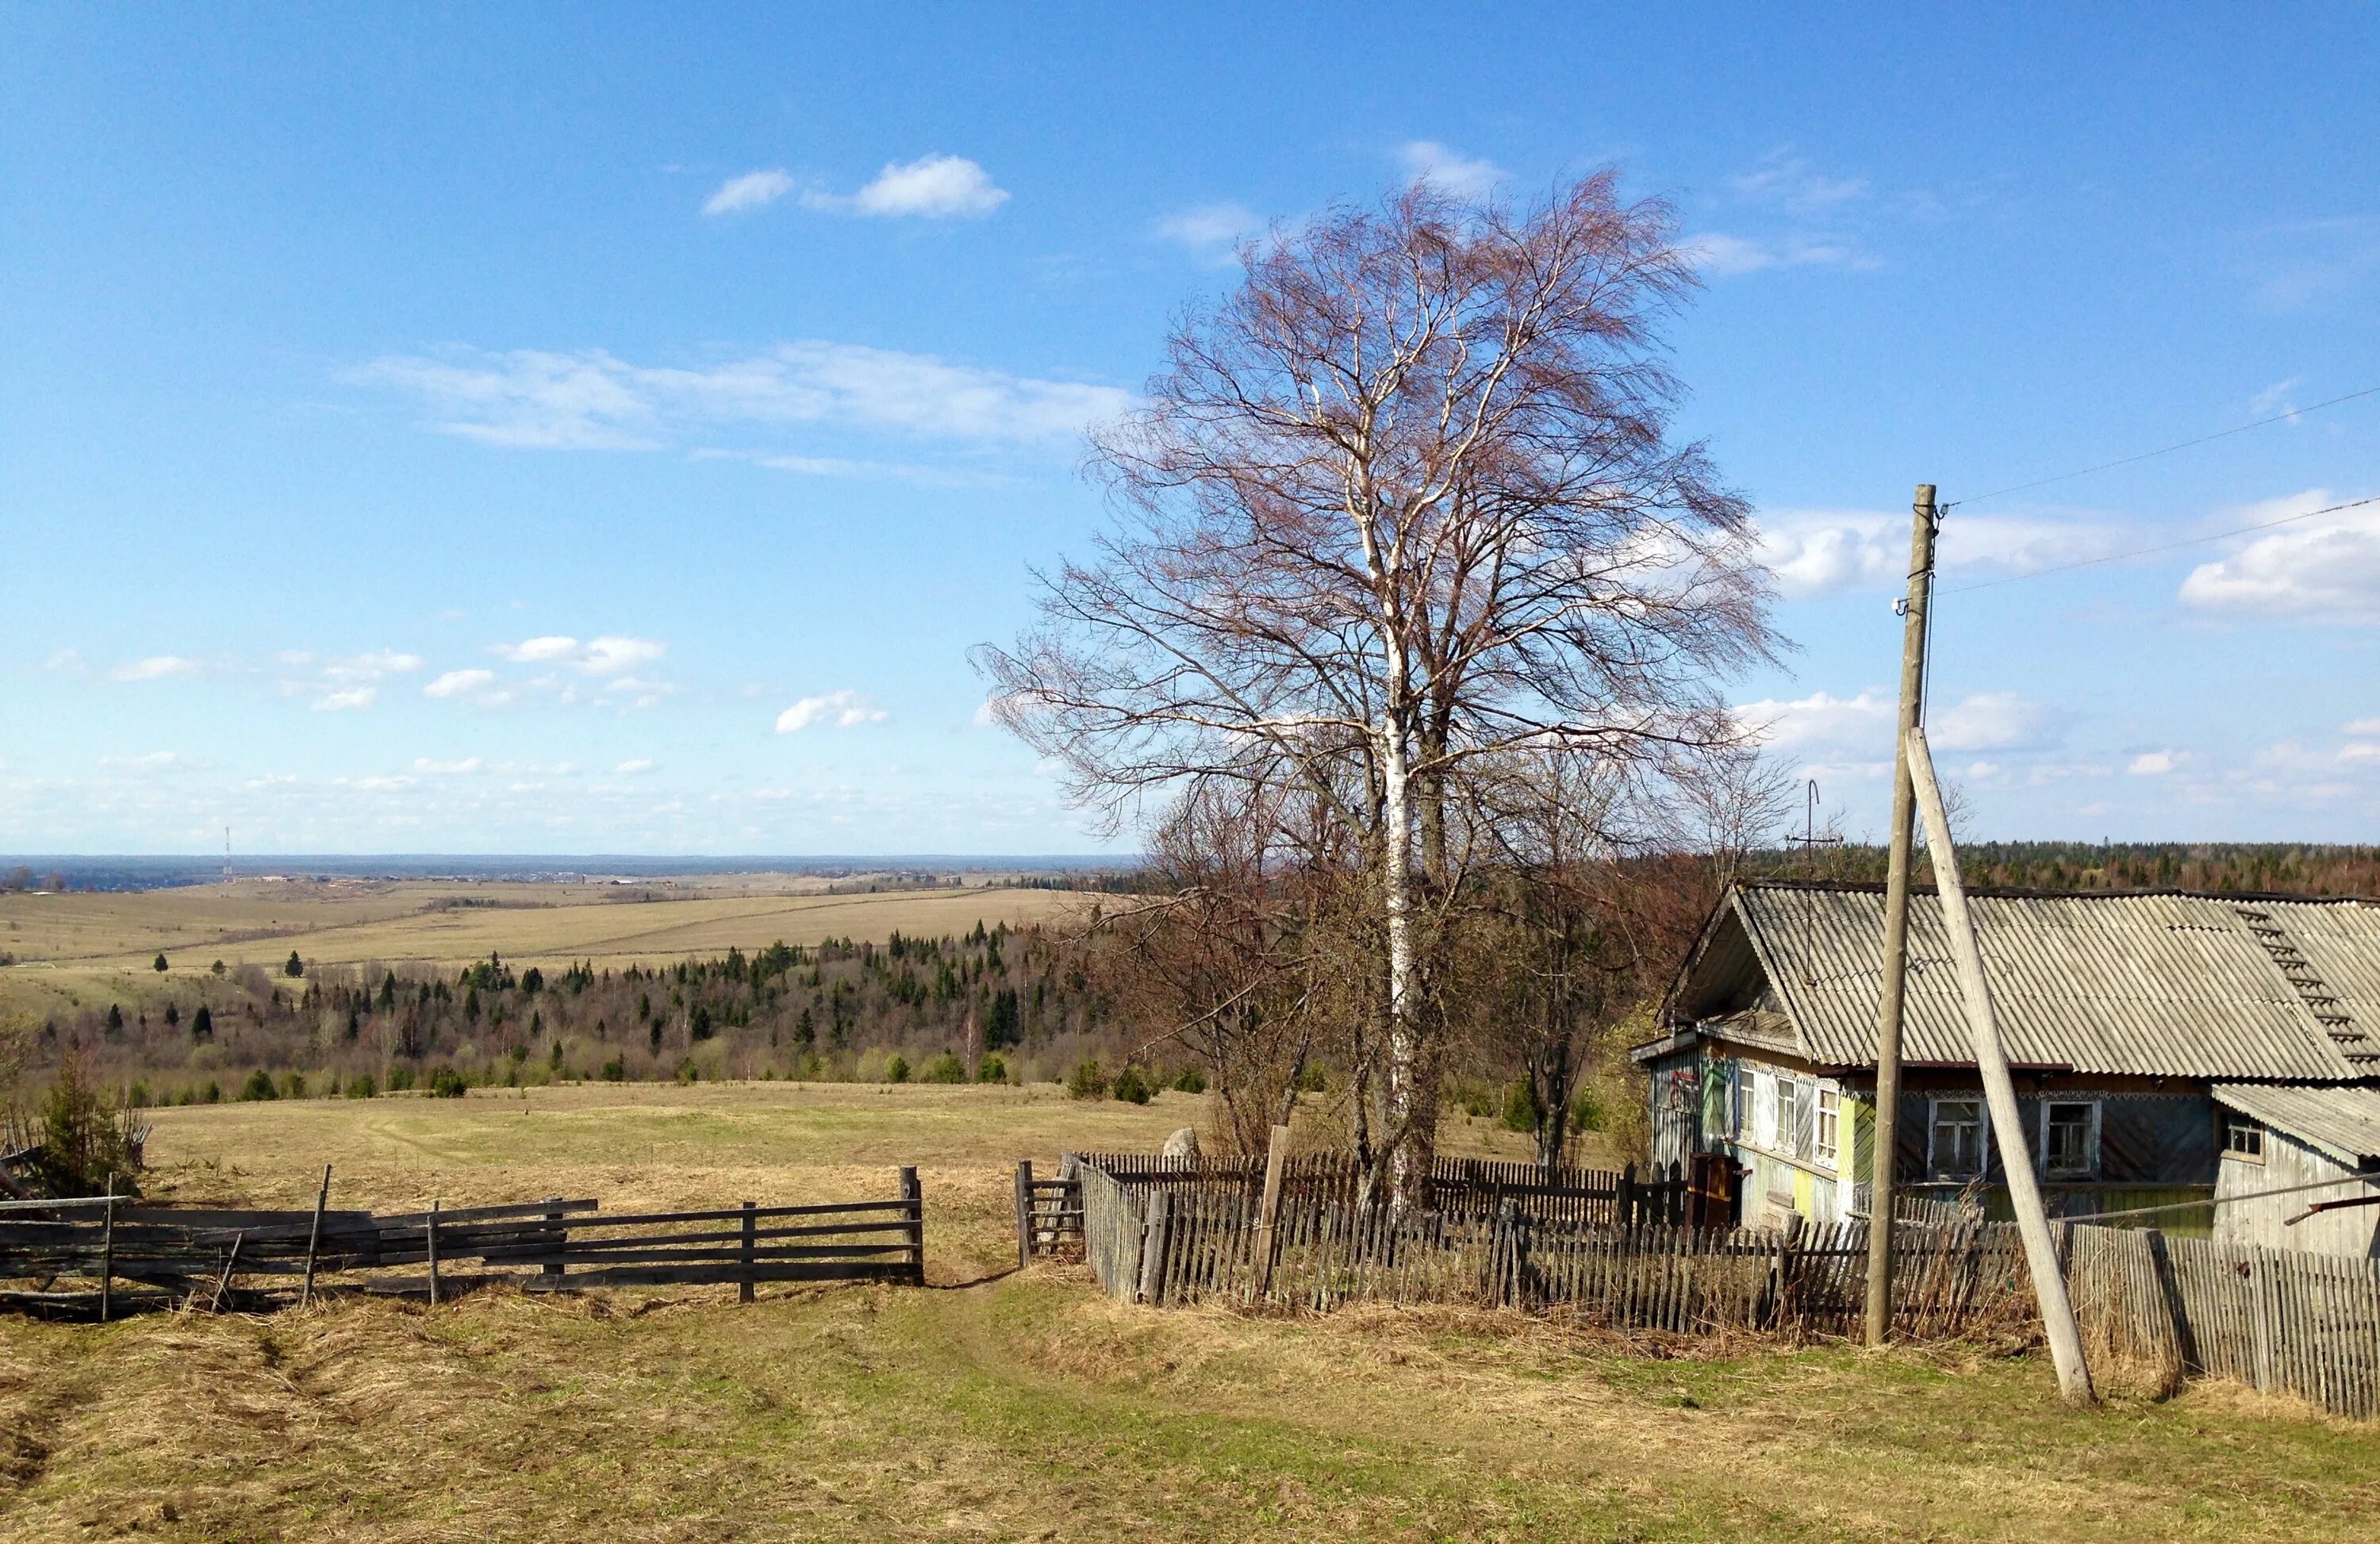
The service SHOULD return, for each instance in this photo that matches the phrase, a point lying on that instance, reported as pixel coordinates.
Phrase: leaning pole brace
(1999, 1093)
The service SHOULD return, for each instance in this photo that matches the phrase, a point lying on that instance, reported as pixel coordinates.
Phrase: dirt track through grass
(1028, 1406)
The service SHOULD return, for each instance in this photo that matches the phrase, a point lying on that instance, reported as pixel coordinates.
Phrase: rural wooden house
(2165, 1047)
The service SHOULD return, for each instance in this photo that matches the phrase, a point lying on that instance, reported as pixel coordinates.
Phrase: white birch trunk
(1396, 896)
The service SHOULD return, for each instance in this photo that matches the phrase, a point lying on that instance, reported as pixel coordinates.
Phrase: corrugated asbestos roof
(2156, 985)
(2344, 1123)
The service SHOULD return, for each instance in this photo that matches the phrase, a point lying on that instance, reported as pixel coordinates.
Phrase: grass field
(78, 947)
(1006, 1405)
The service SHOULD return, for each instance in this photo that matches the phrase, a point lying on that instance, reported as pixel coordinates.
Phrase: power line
(2169, 546)
(2168, 450)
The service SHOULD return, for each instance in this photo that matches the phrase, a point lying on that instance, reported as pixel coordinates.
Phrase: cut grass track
(1025, 1406)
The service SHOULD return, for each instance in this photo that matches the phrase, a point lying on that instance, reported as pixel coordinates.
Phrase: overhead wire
(2163, 450)
(2166, 547)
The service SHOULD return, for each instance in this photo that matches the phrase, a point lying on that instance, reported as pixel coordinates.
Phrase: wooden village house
(2166, 1047)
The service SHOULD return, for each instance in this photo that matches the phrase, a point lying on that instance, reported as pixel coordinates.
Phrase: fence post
(1023, 1213)
(1787, 1234)
(553, 1272)
(1269, 1207)
(1624, 1198)
(107, 1255)
(744, 1287)
(1154, 1237)
(915, 1199)
(314, 1238)
(430, 1236)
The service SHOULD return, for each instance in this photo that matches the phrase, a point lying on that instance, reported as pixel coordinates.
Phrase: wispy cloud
(1212, 232)
(2325, 570)
(146, 761)
(749, 192)
(1449, 170)
(1789, 180)
(435, 768)
(2310, 262)
(346, 698)
(156, 667)
(841, 709)
(933, 187)
(473, 686)
(338, 683)
(635, 767)
(1719, 254)
(529, 398)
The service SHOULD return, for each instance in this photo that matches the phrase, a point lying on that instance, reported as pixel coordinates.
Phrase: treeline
(2289, 869)
(995, 1004)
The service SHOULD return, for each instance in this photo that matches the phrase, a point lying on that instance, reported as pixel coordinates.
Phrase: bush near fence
(2281, 1320)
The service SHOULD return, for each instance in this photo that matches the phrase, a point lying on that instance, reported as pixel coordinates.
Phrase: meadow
(1004, 1405)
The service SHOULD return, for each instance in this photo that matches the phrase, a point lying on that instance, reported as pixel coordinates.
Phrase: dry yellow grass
(77, 946)
(1027, 1406)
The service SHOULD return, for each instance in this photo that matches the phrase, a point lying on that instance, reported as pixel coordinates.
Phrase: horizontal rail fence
(221, 1257)
(1565, 1194)
(2281, 1320)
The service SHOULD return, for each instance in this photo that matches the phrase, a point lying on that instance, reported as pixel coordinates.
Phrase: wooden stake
(314, 1237)
(1268, 1206)
(1023, 1213)
(916, 1197)
(2000, 1091)
(744, 1287)
(430, 1236)
(1887, 1124)
(107, 1255)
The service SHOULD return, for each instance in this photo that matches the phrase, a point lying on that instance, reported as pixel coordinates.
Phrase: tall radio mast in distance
(226, 855)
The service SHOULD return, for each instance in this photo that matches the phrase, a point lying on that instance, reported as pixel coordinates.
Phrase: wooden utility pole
(1887, 1124)
(2000, 1091)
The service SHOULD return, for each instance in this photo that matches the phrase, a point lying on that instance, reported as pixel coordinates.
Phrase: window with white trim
(1954, 1146)
(1764, 1108)
(1792, 1096)
(2069, 1139)
(1829, 1125)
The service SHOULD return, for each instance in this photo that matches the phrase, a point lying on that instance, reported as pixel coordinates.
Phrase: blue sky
(606, 428)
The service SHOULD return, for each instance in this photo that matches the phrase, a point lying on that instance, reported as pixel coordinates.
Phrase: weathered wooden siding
(2263, 1220)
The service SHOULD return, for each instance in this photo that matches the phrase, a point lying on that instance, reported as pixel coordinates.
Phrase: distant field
(72, 945)
(999, 1406)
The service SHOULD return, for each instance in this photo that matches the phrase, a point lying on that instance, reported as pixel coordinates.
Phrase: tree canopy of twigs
(1403, 509)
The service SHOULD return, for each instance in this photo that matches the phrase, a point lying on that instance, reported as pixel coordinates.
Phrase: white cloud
(844, 466)
(633, 767)
(2325, 570)
(749, 192)
(345, 698)
(1815, 552)
(2153, 764)
(532, 399)
(932, 186)
(156, 667)
(1449, 171)
(148, 760)
(2363, 727)
(602, 656)
(460, 682)
(844, 710)
(1995, 721)
(462, 767)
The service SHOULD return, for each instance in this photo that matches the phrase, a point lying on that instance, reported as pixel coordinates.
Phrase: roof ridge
(2023, 892)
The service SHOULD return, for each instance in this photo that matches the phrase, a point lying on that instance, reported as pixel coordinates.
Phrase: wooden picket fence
(1577, 1197)
(2281, 1320)
(102, 1256)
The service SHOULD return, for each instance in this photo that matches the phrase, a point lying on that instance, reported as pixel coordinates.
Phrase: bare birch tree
(1406, 498)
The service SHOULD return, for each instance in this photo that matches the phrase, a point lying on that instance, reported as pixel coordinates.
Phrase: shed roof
(2153, 984)
(2344, 1123)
